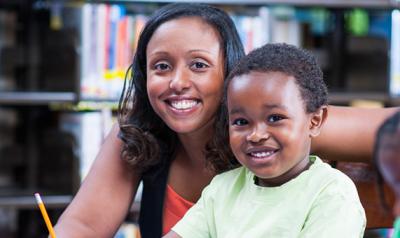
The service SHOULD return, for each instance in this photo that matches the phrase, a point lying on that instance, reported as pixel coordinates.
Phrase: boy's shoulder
(235, 177)
(231, 175)
(331, 179)
(328, 173)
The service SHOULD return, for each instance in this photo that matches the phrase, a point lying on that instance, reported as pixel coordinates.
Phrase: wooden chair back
(365, 177)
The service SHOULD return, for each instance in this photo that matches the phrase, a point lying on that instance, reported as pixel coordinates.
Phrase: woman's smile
(183, 106)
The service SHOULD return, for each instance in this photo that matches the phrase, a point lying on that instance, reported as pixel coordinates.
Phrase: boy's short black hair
(292, 61)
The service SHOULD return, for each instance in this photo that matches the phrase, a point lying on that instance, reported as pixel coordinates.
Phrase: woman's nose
(258, 134)
(180, 80)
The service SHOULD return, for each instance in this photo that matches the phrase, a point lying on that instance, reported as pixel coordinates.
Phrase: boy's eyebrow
(236, 110)
(268, 106)
(272, 106)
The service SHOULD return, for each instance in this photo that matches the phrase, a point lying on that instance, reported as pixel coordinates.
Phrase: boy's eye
(239, 122)
(275, 118)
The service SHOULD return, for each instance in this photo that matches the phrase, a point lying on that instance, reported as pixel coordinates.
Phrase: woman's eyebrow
(200, 50)
(155, 53)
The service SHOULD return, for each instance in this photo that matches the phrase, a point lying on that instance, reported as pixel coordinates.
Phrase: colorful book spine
(108, 43)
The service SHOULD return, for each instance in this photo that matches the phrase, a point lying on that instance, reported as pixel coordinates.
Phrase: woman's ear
(318, 119)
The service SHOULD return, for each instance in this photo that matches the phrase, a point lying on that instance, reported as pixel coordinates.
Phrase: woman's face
(185, 73)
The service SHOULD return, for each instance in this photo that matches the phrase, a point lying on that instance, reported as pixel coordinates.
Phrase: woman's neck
(189, 173)
(192, 145)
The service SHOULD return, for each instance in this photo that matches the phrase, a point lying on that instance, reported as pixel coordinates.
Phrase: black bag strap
(152, 202)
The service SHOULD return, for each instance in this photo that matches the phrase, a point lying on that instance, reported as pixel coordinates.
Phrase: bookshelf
(57, 84)
(36, 98)
(302, 3)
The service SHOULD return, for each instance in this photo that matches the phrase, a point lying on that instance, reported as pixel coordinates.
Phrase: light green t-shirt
(320, 202)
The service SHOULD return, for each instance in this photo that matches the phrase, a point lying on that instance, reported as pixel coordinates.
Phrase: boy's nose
(180, 80)
(258, 134)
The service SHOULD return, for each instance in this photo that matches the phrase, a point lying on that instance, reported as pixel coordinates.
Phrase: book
(395, 55)
(89, 130)
(108, 42)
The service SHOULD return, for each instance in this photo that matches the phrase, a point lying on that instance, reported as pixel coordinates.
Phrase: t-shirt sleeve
(198, 222)
(336, 212)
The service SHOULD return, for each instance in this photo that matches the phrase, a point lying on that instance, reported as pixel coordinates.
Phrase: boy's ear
(318, 119)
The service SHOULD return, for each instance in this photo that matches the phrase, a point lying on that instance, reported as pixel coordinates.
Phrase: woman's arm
(104, 197)
(349, 133)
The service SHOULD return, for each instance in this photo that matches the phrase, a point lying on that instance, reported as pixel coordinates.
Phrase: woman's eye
(239, 122)
(161, 67)
(199, 65)
(275, 118)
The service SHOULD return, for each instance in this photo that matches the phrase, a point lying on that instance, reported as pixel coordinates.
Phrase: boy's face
(269, 129)
(389, 163)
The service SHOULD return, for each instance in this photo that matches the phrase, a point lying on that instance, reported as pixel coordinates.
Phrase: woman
(183, 55)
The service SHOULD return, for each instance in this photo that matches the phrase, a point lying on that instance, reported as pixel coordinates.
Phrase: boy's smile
(270, 131)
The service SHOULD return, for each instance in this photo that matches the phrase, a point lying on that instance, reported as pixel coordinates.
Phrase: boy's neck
(299, 168)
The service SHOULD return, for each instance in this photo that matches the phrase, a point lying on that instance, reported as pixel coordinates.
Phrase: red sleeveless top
(175, 208)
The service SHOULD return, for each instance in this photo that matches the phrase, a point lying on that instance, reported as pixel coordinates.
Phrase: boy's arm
(349, 133)
(198, 222)
(337, 212)
(104, 198)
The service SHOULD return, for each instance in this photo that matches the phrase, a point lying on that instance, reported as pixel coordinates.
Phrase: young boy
(387, 159)
(276, 102)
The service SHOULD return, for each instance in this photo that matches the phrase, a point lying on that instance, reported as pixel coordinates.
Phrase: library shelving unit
(50, 100)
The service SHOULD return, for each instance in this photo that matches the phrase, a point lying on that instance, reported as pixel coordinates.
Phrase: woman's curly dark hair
(144, 134)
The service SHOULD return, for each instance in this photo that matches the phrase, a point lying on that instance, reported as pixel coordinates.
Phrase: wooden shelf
(36, 98)
(303, 3)
(346, 97)
(59, 201)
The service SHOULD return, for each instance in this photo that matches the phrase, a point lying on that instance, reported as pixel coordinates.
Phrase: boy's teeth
(183, 104)
(262, 154)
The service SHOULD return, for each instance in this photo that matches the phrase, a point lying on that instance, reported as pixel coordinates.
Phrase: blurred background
(63, 64)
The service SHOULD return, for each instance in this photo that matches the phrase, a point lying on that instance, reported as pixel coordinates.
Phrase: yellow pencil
(45, 216)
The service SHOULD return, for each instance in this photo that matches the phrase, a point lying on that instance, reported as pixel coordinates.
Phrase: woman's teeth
(183, 104)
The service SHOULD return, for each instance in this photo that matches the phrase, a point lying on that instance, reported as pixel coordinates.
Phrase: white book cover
(85, 48)
(285, 27)
(101, 49)
(395, 55)
(89, 130)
